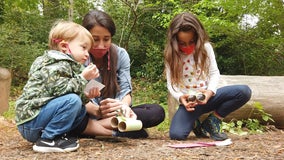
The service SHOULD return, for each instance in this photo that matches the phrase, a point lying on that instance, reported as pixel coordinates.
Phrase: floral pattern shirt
(191, 76)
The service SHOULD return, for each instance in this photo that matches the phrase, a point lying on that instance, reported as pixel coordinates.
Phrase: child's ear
(63, 46)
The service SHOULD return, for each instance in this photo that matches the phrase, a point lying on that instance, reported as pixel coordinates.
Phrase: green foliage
(141, 29)
(253, 125)
(145, 91)
(254, 49)
(139, 33)
(153, 68)
(165, 125)
(24, 31)
(20, 43)
(234, 127)
(10, 114)
(265, 116)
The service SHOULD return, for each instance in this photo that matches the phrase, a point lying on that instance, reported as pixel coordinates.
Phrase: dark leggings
(150, 115)
(226, 100)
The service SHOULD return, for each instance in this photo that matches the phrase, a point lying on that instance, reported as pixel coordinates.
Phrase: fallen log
(268, 91)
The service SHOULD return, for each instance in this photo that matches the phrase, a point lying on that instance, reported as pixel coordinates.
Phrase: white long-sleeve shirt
(191, 79)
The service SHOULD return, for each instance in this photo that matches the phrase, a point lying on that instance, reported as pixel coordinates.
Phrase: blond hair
(66, 31)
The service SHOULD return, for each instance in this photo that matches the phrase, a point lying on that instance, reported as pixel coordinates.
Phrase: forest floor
(269, 145)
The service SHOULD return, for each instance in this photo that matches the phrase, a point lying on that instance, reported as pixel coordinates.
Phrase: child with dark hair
(114, 66)
(191, 67)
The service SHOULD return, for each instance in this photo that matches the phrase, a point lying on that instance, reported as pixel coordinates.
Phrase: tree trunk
(71, 10)
(5, 83)
(266, 90)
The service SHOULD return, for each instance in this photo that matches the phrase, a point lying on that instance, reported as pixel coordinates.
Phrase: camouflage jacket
(51, 75)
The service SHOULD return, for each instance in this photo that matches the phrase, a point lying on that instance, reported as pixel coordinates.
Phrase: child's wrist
(81, 75)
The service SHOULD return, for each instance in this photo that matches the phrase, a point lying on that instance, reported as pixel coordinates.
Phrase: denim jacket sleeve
(123, 73)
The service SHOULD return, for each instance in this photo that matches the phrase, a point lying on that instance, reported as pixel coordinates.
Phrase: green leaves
(142, 27)
(250, 125)
(265, 116)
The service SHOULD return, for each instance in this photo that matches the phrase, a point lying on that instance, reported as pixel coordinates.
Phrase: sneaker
(60, 144)
(212, 125)
(132, 134)
(198, 130)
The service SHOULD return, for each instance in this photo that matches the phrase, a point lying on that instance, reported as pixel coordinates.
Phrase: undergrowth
(250, 125)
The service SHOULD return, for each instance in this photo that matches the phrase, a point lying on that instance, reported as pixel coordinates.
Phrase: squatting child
(190, 65)
(51, 104)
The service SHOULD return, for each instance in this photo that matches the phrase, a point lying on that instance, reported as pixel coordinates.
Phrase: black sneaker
(212, 125)
(60, 144)
(132, 134)
(198, 130)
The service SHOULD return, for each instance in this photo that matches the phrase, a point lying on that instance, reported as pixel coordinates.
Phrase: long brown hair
(109, 76)
(185, 22)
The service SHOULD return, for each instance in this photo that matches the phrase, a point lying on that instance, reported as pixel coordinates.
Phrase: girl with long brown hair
(191, 70)
(113, 63)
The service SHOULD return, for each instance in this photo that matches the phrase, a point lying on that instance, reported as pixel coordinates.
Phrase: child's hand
(189, 105)
(128, 112)
(208, 94)
(90, 72)
(93, 92)
(109, 107)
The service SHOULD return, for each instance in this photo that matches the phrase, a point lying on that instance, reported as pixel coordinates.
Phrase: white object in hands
(92, 84)
(126, 124)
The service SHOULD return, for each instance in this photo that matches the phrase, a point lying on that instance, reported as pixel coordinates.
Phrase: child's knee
(247, 91)
(177, 136)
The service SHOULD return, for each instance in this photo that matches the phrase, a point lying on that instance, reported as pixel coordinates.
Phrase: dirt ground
(269, 145)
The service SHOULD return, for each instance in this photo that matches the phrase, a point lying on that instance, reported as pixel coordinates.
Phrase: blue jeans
(226, 100)
(57, 117)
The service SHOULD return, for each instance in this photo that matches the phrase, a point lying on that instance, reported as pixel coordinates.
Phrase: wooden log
(266, 90)
(172, 104)
(5, 84)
